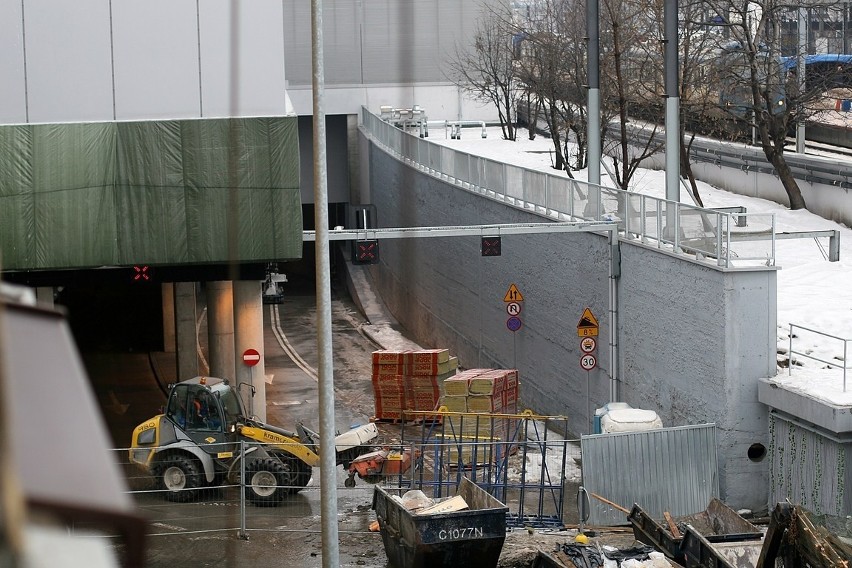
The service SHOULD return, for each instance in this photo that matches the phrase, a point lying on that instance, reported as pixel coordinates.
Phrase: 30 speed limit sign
(588, 362)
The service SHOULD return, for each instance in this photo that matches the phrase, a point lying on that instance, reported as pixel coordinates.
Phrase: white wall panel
(259, 74)
(13, 106)
(69, 76)
(156, 59)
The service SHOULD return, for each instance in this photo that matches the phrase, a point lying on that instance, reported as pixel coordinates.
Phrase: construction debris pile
(419, 503)
(720, 537)
(583, 556)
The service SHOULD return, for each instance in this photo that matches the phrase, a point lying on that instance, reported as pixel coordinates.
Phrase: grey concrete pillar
(169, 334)
(186, 330)
(44, 296)
(248, 334)
(352, 134)
(220, 329)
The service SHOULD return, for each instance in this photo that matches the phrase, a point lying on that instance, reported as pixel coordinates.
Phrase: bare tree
(627, 84)
(752, 81)
(487, 70)
(552, 69)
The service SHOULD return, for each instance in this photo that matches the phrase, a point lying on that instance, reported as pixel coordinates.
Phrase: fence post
(242, 533)
(790, 354)
(721, 260)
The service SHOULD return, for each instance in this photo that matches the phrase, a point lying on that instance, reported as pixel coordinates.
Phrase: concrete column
(220, 329)
(248, 334)
(169, 334)
(44, 296)
(186, 330)
(352, 134)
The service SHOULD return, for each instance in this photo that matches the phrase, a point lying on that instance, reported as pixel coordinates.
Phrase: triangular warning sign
(588, 319)
(513, 295)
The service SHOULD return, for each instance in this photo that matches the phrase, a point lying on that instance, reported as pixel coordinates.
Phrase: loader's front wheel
(179, 477)
(298, 472)
(266, 482)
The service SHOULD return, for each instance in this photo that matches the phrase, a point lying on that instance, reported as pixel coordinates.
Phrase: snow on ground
(812, 292)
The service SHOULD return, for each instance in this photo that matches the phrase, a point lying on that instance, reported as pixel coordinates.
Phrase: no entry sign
(251, 357)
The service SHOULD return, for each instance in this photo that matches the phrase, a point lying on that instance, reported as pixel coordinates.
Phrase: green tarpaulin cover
(155, 192)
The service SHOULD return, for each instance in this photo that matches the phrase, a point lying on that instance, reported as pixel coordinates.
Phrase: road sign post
(513, 299)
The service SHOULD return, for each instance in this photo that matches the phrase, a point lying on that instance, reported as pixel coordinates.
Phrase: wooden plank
(672, 526)
(610, 503)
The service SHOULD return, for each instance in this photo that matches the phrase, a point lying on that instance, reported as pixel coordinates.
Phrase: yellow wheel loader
(203, 436)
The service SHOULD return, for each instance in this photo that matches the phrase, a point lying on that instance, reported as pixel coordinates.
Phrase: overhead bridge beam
(464, 230)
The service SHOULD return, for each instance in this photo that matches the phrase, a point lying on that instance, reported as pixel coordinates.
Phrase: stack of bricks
(409, 380)
(480, 394)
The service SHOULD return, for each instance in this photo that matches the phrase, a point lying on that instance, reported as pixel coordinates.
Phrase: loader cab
(206, 409)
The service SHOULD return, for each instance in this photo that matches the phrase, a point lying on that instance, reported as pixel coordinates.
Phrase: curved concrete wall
(693, 339)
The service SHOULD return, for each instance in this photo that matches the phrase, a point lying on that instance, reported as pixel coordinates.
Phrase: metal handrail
(809, 356)
(678, 227)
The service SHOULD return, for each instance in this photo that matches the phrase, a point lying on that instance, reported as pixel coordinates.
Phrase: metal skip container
(472, 537)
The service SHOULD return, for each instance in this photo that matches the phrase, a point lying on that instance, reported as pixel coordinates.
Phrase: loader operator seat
(205, 412)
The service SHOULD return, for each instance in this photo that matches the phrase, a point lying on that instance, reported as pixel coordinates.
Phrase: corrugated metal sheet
(808, 467)
(670, 469)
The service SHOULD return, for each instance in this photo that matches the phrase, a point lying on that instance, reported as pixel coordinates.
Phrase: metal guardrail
(749, 159)
(706, 234)
(805, 354)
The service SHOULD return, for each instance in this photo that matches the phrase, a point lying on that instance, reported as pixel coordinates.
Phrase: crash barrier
(808, 337)
(520, 459)
(707, 234)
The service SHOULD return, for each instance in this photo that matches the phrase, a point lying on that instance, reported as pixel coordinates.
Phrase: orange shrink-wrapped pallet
(385, 356)
(427, 356)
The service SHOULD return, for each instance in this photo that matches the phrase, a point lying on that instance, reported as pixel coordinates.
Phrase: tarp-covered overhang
(159, 192)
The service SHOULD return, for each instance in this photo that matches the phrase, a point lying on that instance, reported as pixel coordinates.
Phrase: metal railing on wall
(707, 234)
(821, 337)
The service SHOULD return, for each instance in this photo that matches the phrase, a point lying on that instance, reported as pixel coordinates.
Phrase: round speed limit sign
(588, 362)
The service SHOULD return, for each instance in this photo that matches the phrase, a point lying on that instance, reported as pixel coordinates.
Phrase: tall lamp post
(800, 77)
(672, 105)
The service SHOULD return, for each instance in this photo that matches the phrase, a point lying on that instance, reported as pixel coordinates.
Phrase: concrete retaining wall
(693, 339)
